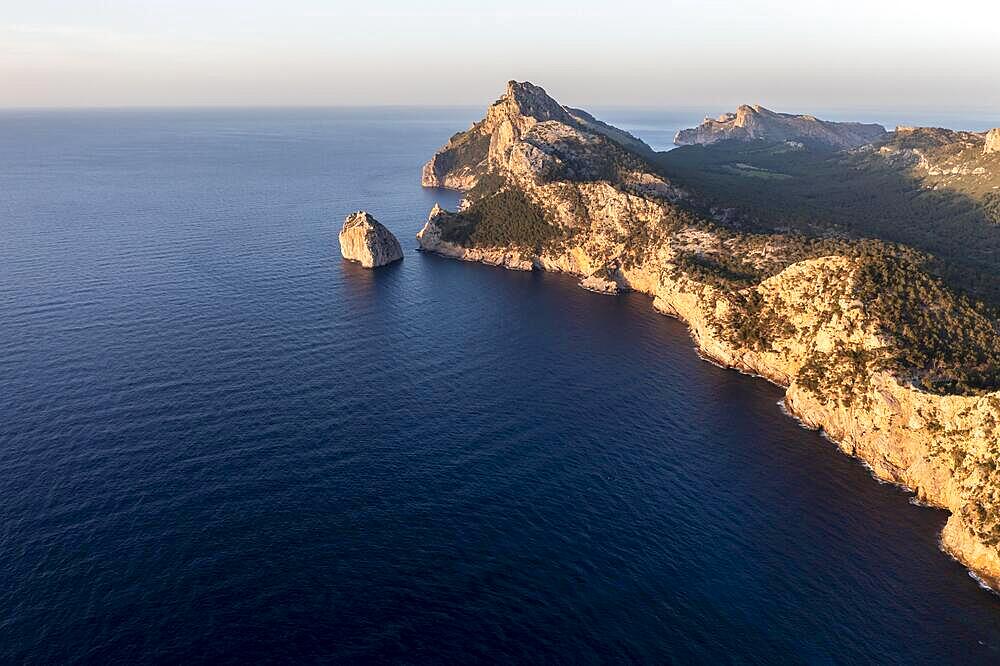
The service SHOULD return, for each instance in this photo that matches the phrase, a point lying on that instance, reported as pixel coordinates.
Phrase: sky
(795, 56)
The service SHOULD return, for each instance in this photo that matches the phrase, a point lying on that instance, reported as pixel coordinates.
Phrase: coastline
(891, 452)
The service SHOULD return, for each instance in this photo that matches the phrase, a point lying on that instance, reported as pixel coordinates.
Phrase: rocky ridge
(961, 161)
(752, 123)
(366, 240)
(484, 146)
(821, 319)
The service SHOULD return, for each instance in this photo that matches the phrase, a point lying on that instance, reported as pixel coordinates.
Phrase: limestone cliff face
(750, 123)
(602, 214)
(365, 240)
(992, 142)
(484, 146)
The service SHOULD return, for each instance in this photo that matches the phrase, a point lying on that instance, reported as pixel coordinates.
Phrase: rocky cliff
(887, 360)
(967, 162)
(366, 240)
(992, 142)
(471, 154)
(752, 123)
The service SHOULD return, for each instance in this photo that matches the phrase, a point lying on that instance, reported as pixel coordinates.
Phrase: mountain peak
(522, 107)
(532, 101)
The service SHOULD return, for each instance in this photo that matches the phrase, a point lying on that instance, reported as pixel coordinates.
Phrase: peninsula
(884, 336)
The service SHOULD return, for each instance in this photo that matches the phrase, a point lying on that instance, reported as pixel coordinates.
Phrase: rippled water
(221, 442)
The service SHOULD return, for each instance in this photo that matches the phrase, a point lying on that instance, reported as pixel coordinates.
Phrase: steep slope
(965, 162)
(753, 123)
(886, 359)
(932, 189)
(619, 136)
(991, 143)
(471, 154)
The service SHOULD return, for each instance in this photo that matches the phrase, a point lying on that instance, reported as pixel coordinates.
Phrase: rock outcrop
(366, 240)
(752, 123)
(484, 146)
(967, 162)
(992, 143)
(845, 326)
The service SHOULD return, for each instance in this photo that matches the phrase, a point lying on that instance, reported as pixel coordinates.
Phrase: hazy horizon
(709, 56)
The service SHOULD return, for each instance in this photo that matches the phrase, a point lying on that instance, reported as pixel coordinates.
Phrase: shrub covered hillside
(859, 194)
(930, 336)
(503, 217)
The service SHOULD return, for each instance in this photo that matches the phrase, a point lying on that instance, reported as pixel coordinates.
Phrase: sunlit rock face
(992, 141)
(365, 240)
(751, 123)
(486, 145)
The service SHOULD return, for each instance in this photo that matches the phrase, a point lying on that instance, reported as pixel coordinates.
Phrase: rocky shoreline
(893, 454)
(827, 321)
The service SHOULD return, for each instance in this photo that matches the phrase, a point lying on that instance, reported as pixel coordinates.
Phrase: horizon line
(985, 116)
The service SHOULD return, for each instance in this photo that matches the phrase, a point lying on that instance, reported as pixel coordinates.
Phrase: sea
(222, 443)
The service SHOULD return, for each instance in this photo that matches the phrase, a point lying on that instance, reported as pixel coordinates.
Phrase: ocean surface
(221, 443)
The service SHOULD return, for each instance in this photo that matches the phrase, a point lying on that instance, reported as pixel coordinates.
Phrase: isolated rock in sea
(751, 123)
(992, 141)
(364, 239)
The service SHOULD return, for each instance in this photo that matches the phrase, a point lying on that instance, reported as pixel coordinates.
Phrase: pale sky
(787, 55)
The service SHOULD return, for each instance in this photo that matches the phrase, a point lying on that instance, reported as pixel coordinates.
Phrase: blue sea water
(221, 443)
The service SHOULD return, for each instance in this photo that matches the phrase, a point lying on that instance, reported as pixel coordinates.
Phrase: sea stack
(366, 240)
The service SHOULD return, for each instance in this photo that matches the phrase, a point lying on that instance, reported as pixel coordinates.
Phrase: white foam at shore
(972, 574)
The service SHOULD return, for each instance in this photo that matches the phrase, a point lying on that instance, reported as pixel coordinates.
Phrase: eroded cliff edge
(895, 366)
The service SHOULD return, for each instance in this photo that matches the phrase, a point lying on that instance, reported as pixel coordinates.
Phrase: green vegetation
(852, 195)
(466, 150)
(505, 218)
(839, 375)
(741, 169)
(724, 271)
(754, 324)
(600, 160)
(991, 207)
(640, 240)
(939, 339)
(488, 184)
(949, 341)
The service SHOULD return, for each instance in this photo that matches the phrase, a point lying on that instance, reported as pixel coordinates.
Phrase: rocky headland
(755, 123)
(893, 364)
(366, 240)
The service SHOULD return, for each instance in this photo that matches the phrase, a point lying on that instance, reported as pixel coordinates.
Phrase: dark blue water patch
(220, 442)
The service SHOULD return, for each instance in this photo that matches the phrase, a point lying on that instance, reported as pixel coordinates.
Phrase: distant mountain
(752, 123)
